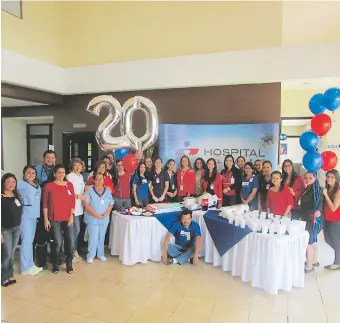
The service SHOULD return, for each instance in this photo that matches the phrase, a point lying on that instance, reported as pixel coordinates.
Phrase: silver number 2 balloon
(125, 114)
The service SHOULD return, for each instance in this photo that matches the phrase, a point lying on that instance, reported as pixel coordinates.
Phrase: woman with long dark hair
(296, 184)
(186, 179)
(199, 168)
(149, 167)
(212, 181)
(58, 207)
(231, 181)
(171, 194)
(241, 162)
(265, 181)
(30, 192)
(159, 182)
(279, 199)
(11, 210)
(250, 185)
(309, 210)
(140, 186)
(332, 215)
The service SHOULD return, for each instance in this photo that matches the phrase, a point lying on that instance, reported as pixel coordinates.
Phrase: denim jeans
(182, 254)
(96, 240)
(332, 238)
(58, 228)
(119, 203)
(76, 230)
(27, 230)
(11, 238)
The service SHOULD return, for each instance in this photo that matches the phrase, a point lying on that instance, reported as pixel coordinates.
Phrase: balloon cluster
(320, 125)
(127, 146)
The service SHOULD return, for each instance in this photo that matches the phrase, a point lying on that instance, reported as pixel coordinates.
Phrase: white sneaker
(32, 271)
(102, 258)
(90, 261)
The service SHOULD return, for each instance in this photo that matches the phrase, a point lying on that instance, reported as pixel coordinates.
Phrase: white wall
(14, 145)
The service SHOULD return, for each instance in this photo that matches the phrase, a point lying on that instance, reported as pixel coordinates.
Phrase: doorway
(82, 145)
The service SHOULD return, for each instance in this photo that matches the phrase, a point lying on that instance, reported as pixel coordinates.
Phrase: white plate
(136, 213)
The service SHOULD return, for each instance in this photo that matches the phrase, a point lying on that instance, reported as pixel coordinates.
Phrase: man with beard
(42, 237)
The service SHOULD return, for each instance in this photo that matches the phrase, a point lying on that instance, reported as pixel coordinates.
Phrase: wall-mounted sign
(334, 146)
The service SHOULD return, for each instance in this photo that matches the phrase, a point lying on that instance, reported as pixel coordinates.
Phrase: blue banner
(253, 141)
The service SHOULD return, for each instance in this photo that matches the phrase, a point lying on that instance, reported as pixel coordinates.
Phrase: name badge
(102, 202)
(69, 192)
(144, 181)
(173, 186)
(16, 201)
(157, 180)
(232, 180)
(211, 186)
(299, 202)
(251, 180)
(181, 188)
(267, 186)
(245, 183)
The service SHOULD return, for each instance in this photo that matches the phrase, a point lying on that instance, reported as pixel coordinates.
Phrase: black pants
(229, 200)
(81, 242)
(332, 237)
(42, 238)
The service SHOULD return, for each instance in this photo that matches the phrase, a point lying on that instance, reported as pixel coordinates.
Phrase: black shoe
(55, 270)
(6, 284)
(170, 261)
(12, 281)
(69, 269)
(192, 261)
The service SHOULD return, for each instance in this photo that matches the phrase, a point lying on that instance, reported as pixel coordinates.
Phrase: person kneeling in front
(98, 206)
(187, 245)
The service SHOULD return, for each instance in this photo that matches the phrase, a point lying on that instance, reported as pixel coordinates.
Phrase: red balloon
(130, 163)
(321, 123)
(330, 160)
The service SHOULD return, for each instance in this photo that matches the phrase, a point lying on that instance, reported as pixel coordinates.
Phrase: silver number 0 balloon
(116, 114)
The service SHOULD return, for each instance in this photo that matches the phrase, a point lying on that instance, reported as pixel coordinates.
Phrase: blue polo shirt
(247, 187)
(99, 204)
(142, 187)
(185, 236)
(31, 196)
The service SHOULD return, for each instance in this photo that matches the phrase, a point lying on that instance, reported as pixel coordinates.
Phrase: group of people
(54, 205)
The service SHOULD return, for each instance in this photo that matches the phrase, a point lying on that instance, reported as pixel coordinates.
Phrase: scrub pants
(27, 231)
(182, 254)
(96, 239)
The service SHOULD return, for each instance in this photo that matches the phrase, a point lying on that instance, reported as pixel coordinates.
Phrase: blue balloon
(309, 141)
(312, 161)
(332, 99)
(316, 104)
(121, 152)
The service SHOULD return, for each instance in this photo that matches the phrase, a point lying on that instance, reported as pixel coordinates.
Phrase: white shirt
(79, 187)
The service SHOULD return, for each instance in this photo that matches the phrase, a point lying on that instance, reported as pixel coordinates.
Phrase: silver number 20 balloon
(125, 114)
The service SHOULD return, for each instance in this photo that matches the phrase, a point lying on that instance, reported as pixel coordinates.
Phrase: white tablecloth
(266, 261)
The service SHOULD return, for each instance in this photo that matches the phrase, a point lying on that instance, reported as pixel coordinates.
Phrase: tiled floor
(154, 293)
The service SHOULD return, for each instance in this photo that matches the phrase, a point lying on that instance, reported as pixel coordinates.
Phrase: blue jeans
(58, 228)
(11, 238)
(76, 230)
(182, 254)
(96, 239)
(27, 231)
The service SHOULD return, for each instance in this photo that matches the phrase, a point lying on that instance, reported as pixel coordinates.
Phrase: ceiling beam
(27, 94)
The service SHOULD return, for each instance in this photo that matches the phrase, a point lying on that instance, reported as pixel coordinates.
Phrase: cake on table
(164, 207)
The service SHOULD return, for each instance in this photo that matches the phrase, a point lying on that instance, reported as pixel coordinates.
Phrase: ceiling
(8, 102)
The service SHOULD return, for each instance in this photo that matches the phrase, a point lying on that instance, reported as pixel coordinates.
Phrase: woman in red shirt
(296, 184)
(58, 208)
(231, 181)
(122, 192)
(186, 179)
(212, 181)
(279, 198)
(102, 169)
(332, 215)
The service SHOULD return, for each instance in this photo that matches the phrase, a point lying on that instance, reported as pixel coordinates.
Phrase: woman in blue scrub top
(98, 206)
(140, 187)
(30, 192)
(250, 185)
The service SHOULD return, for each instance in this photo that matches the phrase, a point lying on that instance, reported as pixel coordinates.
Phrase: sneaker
(102, 258)
(69, 269)
(32, 271)
(89, 261)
